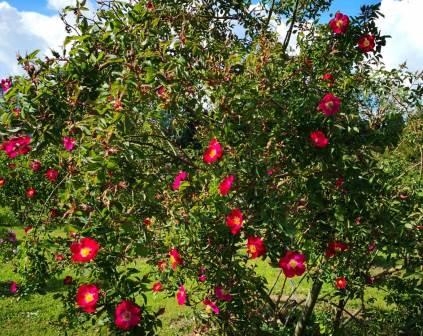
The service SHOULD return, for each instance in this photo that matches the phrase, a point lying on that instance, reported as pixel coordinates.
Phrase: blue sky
(26, 25)
(350, 7)
(39, 6)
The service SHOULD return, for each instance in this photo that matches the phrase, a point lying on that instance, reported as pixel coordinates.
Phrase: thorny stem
(276, 281)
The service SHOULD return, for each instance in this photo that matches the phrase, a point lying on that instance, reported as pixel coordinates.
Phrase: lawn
(36, 315)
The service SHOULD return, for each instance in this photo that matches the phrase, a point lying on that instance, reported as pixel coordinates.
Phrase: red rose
(35, 165)
(339, 24)
(226, 185)
(255, 247)
(87, 297)
(234, 221)
(127, 315)
(292, 264)
(319, 139)
(157, 287)
(341, 282)
(213, 152)
(366, 43)
(51, 174)
(31, 193)
(85, 250)
(330, 104)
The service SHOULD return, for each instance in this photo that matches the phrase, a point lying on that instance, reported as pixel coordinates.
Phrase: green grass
(37, 315)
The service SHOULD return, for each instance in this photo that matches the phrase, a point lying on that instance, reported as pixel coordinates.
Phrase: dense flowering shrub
(161, 135)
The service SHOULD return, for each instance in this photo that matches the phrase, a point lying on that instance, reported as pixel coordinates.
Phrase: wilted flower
(211, 306)
(222, 294)
(334, 248)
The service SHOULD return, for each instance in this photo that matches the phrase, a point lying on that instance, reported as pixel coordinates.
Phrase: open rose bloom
(87, 297)
(174, 258)
(85, 250)
(69, 143)
(234, 221)
(127, 315)
(339, 24)
(31, 192)
(292, 264)
(330, 104)
(157, 287)
(334, 248)
(319, 139)
(213, 152)
(181, 295)
(17, 146)
(51, 174)
(255, 247)
(226, 185)
(222, 294)
(211, 306)
(182, 176)
(5, 84)
(366, 43)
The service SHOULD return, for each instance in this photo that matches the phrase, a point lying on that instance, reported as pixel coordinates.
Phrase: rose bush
(160, 134)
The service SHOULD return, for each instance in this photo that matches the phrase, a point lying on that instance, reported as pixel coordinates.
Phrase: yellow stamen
(85, 251)
(293, 263)
(89, 297)
(252, 249)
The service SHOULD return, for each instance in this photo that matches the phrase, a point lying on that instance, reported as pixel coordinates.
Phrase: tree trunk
(338, 317)
(309, 306)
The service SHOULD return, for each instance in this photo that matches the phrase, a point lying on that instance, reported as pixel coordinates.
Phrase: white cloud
(24, 32)
(60, 4)
(404, 23)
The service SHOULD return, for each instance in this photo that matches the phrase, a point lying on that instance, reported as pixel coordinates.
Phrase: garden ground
(36, 315)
